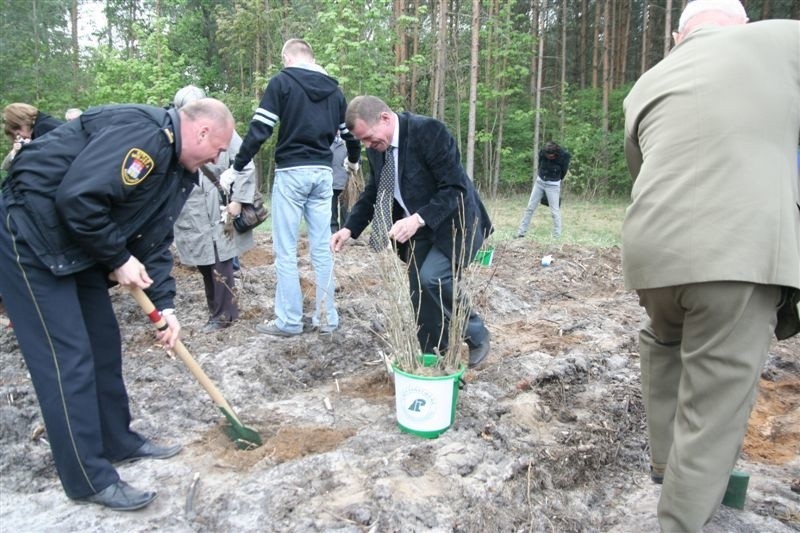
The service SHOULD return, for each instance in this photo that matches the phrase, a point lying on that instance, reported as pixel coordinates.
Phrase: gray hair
(367, 108)
(190, 93)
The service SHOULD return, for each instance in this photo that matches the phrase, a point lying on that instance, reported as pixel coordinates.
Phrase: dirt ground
(550, 436)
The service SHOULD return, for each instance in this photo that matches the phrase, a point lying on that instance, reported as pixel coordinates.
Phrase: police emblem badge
(136, 166)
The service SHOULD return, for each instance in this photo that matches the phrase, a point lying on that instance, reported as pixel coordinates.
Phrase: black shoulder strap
(213, 179)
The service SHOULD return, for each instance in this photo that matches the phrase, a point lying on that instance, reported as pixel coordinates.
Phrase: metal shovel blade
(241, 435)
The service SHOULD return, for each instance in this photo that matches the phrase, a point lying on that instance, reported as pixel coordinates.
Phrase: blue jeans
(541, 188)
(302, 193)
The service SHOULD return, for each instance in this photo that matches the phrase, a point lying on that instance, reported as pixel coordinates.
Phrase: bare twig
(189, 507)
(401, 325)
(354, 188)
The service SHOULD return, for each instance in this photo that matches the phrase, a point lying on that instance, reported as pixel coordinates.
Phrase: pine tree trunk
(473, 86)
(596, 48)
(76, 66)
(414, 69)
(625, 39)
(400, 51)
(645, 24)
(437, 100)
(537, 107)
(582, 46)
(606, 69)
(561, 117)
(667, 27)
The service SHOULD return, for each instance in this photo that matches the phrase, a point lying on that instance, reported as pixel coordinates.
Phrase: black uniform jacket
(434, 184)
(44, 123)
(101, 188)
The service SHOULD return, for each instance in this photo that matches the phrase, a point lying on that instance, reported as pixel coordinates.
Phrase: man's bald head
(206, 131)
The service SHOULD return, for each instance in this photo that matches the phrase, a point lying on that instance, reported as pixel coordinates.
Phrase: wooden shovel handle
(181, 351)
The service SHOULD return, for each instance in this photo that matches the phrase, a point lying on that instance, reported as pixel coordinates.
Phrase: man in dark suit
(437, 218)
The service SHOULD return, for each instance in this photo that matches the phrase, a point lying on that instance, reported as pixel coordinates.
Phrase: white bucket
(426, 405)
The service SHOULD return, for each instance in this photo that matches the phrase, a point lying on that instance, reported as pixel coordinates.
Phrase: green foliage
(151, 48)
(598, 164)
(517, 153)
(193, 37)
(502, 91)
(150, 76)
(35, 58)
(352, 41)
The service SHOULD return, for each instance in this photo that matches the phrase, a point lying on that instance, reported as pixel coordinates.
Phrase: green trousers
(701, 350)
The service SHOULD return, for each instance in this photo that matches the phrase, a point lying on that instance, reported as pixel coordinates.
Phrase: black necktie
(382, 218)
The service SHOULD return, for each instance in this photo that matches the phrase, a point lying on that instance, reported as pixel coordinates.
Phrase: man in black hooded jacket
(310, 107)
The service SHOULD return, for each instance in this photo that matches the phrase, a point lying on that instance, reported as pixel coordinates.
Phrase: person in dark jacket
(432, 210)
(310, 107)
(98, 196)
(553, 166)
(22, 123)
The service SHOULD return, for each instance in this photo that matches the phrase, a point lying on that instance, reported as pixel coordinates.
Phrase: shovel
(244, 437)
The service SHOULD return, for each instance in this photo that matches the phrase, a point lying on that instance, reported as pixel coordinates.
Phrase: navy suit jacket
(432, 183)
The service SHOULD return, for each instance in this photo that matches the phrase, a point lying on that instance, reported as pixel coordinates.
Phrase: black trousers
(219, 287)
(338, 210)
(70, 340)
(430, 277)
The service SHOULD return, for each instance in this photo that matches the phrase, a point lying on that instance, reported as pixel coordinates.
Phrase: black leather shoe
(656, 477)
(214, 325)
(148, 450)
(477, 355)
(121, 497)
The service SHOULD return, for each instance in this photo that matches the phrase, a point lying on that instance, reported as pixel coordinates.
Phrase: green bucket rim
(429, 360)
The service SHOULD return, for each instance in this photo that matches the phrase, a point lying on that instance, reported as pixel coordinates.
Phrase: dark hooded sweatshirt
(310, 108)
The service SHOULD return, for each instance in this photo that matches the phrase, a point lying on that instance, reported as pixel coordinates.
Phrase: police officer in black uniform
(96, 196)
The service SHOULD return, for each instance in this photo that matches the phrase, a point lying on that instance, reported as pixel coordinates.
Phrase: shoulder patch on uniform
(136, 166)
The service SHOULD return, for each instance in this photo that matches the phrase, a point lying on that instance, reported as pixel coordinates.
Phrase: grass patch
(595, 223)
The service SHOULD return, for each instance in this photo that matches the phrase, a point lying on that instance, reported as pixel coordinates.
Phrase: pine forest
(504, 75)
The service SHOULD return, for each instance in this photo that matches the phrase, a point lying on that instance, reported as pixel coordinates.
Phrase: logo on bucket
(419, 403)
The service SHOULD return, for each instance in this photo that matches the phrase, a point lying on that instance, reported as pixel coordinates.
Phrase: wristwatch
(419, 220)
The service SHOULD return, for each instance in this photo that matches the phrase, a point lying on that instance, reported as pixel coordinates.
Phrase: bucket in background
(426, 405)
(484, 257)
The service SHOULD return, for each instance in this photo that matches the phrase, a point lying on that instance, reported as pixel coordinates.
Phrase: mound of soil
(550, 436)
